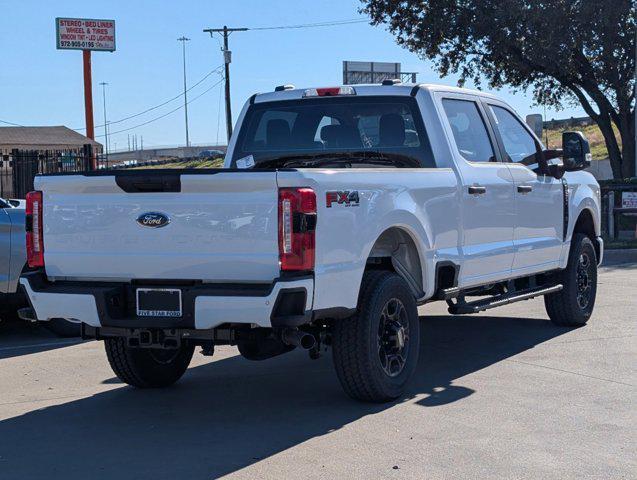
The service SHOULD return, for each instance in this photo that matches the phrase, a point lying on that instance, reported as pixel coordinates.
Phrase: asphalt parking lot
(503, 394)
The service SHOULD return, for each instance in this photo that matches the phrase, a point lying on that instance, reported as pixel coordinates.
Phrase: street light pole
(183, 41)
(103, 84)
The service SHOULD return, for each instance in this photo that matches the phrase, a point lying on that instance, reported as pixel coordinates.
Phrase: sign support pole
(88, 97)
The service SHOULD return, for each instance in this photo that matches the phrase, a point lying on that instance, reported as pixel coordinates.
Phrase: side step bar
(461, 307)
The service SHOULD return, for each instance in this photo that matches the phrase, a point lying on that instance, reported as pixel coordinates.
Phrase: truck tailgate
(219, 226)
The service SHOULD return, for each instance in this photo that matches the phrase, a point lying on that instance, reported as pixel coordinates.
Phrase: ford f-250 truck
(338, 212)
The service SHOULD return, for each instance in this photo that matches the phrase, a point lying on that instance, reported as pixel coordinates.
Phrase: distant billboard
(536, 123)
(374, 72)
(85, 34)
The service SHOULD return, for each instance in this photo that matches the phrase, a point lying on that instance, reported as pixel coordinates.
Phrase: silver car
(13, 258)
(12, 252)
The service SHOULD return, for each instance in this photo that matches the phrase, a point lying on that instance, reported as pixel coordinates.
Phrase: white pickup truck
(338, 212)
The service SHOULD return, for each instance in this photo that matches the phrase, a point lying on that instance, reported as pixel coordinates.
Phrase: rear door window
(469, 130)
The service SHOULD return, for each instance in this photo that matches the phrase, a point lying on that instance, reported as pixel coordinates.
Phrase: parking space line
(569, 371)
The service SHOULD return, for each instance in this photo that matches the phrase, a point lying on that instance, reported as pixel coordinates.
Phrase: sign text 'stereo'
(85, 34)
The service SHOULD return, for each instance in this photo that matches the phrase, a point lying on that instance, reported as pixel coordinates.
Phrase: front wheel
(147, 367)
(573, 305)
(375, 352)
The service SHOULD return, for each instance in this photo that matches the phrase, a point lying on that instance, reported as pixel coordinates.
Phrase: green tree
(564, 51)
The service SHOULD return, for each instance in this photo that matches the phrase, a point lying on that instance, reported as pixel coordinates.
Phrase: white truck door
(487, 201)
(539, 199)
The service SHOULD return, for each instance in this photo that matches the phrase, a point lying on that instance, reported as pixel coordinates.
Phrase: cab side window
(469, 130)
(518, 142)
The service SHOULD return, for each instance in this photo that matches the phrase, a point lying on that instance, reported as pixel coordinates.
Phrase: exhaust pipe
(297, 338)
(27, 314)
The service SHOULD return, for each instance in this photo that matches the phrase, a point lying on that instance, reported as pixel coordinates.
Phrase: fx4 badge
(347, 198)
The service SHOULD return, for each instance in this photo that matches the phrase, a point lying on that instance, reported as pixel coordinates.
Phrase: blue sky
(43, 86)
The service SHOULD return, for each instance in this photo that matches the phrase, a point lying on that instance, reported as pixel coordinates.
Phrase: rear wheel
(573, 305)
(147, 367)
(375, 351)
(9, 315)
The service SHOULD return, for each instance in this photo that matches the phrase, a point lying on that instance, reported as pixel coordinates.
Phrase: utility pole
(183, 41)
(227, 58)
(103, 84)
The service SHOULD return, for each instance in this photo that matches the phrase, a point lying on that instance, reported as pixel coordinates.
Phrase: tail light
(35, 240)
(297, 225)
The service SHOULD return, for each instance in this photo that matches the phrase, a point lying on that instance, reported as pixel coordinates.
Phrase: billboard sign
(356, 73)
(536, 123)
(85, 34)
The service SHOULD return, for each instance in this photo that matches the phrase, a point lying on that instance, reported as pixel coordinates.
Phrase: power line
(11, 123)
(333, 23)
(219, 113)
(167, 113)
(216, 70)
(227, 54)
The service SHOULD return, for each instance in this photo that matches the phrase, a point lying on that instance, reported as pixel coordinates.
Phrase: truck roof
(399, 89)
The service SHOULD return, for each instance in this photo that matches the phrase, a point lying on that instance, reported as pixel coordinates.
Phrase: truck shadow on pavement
(18, 337)
(229, 414)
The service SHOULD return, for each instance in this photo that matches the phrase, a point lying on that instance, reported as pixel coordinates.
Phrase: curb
(619, 256)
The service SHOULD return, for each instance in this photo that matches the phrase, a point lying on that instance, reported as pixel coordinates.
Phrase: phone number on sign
(78, 44)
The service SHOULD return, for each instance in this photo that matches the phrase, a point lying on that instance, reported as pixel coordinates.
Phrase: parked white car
(338, 212)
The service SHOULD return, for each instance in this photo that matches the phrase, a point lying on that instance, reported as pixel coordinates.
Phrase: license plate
(158, 302)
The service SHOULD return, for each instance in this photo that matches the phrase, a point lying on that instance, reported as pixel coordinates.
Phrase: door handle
(525, 188)
(477, 190)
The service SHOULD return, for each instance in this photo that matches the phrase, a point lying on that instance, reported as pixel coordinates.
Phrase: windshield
(388, 126)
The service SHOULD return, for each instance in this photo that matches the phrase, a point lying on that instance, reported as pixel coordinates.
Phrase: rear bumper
(285, 302)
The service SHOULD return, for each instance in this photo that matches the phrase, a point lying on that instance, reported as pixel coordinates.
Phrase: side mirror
(576, 151)
(555, 170)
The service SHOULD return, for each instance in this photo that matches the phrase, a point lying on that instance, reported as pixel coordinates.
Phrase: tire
(365, 346)
(9, 315)
(62, 328)
(10, 303)
(573, 305)
(147, 367)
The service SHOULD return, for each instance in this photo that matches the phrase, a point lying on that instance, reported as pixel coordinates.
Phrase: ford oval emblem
(153, 220)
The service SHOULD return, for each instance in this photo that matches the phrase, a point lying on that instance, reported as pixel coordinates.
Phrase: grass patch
(592, 133)
(189, 163)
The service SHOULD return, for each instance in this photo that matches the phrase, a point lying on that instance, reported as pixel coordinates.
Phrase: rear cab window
(317, 126)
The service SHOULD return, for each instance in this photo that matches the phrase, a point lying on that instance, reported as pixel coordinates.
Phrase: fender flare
(415, 229)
